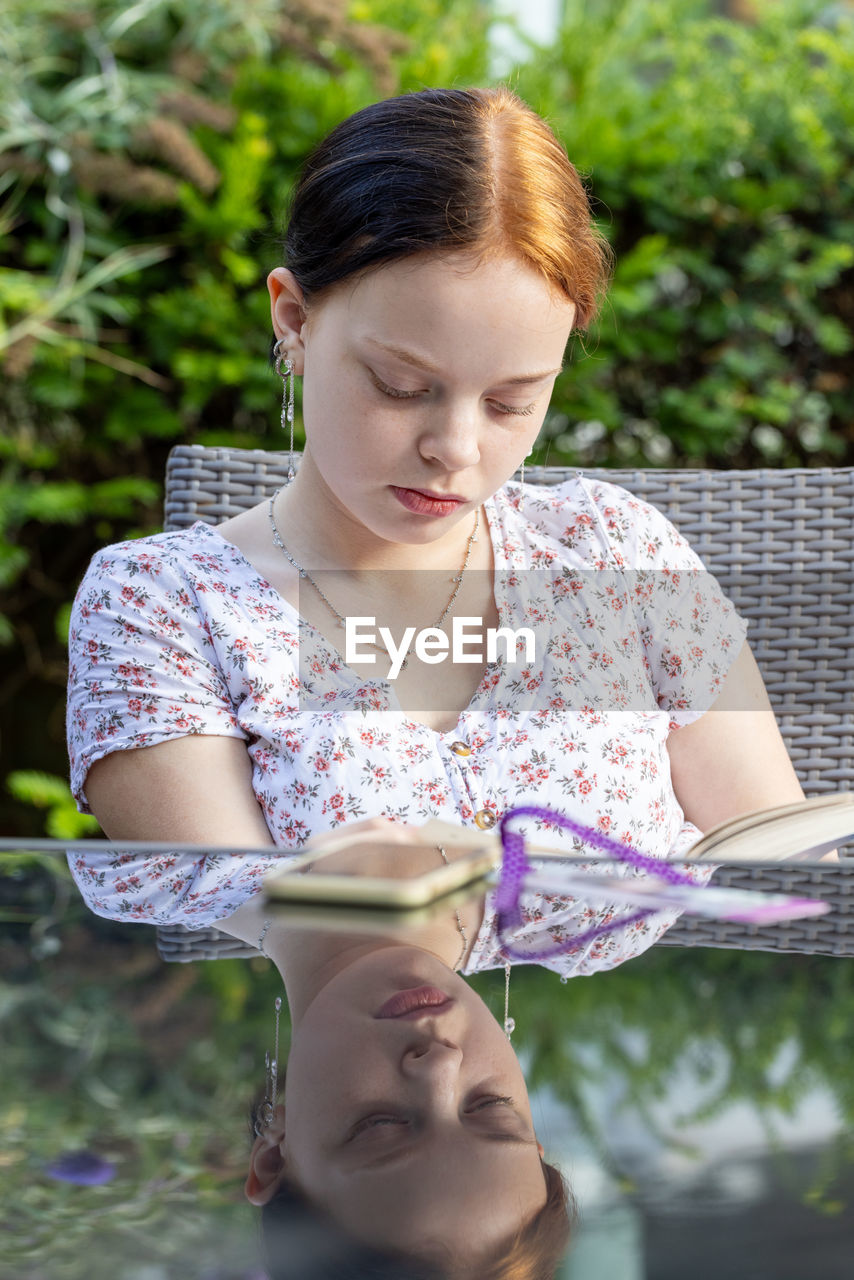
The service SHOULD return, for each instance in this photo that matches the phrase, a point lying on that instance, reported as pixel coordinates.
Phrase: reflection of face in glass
(413, 1132)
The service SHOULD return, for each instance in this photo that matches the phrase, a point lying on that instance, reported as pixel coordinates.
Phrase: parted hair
(440, 170)
(302, 1242)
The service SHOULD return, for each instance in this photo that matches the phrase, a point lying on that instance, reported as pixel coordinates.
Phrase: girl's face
(410, 1130)
(425, 385)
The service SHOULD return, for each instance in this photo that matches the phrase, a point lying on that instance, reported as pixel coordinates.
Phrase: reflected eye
(374, 1122)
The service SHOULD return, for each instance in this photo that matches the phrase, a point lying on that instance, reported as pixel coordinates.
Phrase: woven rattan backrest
(780, 542)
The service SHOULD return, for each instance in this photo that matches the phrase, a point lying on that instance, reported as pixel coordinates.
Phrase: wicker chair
(780, 544)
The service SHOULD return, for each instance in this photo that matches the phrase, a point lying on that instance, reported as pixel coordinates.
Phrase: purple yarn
(515, 864)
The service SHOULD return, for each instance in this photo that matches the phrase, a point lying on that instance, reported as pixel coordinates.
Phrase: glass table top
(698, 1102)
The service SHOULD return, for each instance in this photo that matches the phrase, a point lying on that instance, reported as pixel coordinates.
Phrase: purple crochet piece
(515, 864)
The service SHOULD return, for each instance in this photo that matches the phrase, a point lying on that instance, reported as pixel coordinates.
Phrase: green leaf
(40, 790)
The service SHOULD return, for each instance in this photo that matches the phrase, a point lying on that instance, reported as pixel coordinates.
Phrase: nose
(454, 439)
(434, 1059)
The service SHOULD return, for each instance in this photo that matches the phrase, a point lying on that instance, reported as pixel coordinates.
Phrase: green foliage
(720, 158)
(106, 1049)
(146, 154)
(146, 157)
(154, 1067)
(51, 794)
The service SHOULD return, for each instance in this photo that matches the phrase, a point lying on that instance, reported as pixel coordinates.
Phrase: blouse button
(461, 748)
(485, 818)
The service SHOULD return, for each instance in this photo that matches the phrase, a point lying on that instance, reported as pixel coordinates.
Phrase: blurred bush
(721, 155)
(146, 156)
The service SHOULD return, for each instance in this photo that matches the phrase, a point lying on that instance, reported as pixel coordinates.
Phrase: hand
(372, 847)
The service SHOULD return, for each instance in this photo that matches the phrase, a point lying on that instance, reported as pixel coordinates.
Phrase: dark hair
(303, 1243)
(445, 169)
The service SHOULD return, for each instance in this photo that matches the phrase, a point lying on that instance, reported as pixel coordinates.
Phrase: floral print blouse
(177, 634)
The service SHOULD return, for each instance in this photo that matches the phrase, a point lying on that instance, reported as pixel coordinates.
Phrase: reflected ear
(287, 307)
(266, 1162)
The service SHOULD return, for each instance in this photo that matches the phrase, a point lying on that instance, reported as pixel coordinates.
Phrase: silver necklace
(509, 1023)
(460, 928)
(342, 622)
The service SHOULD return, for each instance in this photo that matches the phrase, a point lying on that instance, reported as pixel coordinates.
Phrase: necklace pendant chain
(342, 621)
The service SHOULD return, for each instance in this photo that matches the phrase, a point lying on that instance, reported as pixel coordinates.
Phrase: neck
(323, 534)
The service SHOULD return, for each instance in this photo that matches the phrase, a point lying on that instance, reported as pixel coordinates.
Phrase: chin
(409, 965)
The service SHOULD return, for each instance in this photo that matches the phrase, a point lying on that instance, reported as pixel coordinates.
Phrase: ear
(287, 307)
(541, 1150)
(267, 1162)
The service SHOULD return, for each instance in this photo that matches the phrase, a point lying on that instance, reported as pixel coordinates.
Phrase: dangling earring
(267, 1111)
(287, 401)
(509, 1024)
(522, 472)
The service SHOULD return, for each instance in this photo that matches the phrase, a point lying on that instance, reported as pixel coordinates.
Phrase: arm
(156, 746)
(732, 759)
(193, 790)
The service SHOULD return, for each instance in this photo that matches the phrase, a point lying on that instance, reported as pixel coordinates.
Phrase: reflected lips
(415, 1003)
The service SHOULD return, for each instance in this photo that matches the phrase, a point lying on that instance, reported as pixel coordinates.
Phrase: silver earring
(287, 400)
(267, 1111)
(522, 472)
(509, 1023)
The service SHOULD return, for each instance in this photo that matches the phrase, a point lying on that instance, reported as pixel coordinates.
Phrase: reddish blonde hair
(539, 206)
(534, 1252)
(445, 169)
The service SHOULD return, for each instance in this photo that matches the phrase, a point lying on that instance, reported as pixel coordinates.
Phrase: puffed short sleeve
(689, 629)
(142, 665)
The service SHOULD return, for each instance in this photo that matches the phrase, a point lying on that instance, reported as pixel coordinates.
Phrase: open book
(405, 876)
(801, 832)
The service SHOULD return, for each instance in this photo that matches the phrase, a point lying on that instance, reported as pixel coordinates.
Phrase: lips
(439, 497)
(424, 503)
(416, 1003)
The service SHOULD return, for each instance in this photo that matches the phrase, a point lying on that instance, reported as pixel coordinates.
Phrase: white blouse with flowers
(177, 634)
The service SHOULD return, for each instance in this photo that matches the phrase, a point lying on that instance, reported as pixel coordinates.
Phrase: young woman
(439, 254)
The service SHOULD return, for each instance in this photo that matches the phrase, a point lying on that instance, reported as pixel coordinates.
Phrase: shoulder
(601, 522)
(182, 569)
(160, 587)
(181, 551)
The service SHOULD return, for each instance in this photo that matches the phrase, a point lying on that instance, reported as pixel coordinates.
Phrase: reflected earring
(287, 400)
(267, 1111)
(509, 1024)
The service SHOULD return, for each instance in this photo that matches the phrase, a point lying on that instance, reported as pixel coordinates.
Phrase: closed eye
(509, 408)
(394, 392)
(374, 1122)
(379, 1121)
(397, 394)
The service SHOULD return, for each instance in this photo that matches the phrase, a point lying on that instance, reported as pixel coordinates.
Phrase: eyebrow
(393, 1157)
(409, 357)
